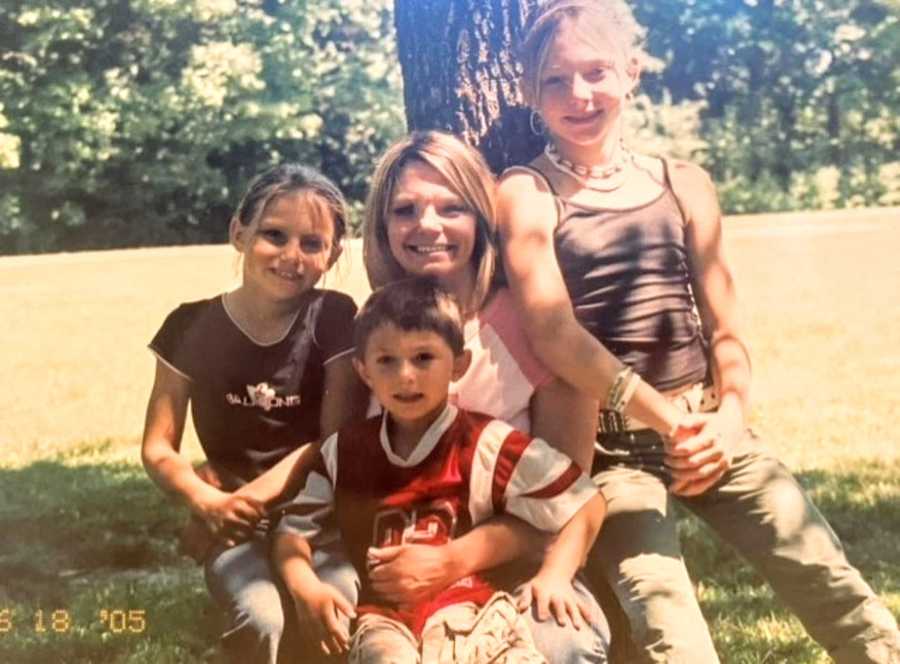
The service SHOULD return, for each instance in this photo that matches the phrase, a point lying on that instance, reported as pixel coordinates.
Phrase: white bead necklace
(604, 178)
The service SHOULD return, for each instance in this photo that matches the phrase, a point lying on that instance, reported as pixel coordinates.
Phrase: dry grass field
(820, 295)
(75, 334)
(84, 531)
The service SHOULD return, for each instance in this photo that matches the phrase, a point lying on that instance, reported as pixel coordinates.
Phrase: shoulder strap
(531, 170)
(558, 201)
(676, 183)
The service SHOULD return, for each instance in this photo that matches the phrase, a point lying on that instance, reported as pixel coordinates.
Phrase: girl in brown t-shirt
(266, 369)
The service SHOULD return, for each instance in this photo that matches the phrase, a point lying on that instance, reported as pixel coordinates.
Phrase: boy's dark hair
(410, 304)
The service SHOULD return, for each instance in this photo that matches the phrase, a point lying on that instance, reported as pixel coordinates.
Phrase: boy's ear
(237, 234)
(461, 364)
(361, 370)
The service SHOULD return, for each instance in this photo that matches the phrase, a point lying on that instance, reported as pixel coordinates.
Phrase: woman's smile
(431, 231)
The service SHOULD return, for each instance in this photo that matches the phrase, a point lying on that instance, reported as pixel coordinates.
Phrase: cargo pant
(447, 635)
(457, 634)
(757, 507)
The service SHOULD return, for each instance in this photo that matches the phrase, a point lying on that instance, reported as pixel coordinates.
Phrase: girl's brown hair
(322, 196)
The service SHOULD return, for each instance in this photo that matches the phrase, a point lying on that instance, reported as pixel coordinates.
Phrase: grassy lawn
(87, 558)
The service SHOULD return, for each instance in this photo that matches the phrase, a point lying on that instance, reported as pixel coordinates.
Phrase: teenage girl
(609, 254)
(266, 368)
(430, 212)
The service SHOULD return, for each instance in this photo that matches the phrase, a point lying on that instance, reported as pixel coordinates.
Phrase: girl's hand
(230, 517)
(554, 596)
(409, 573)
(320, 609)
(701, 450)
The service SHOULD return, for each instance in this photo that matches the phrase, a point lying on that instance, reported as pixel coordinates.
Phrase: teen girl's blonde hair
(592, 21)
(468, 176)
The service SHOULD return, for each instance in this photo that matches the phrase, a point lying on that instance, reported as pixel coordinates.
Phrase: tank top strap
(667, 178)
(558, 201)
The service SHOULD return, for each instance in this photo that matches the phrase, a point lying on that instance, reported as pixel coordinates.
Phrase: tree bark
(460, 73)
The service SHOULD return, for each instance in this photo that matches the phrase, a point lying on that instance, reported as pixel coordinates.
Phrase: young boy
(426, 472)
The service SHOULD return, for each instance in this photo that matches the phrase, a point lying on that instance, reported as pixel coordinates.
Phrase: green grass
(83, 536)
(84, 530)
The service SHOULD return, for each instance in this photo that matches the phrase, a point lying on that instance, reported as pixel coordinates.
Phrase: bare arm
(344, 400)
(409, 573)
(567, 419)
(160, 453)
(528, 216)
(551, 588)
(569, 550)
(319, 606)
(716, 298)
(700, 461)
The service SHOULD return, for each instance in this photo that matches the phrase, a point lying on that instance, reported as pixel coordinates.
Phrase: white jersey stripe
(537, 468)
(484, 462)
(540, 466)
(551, 514)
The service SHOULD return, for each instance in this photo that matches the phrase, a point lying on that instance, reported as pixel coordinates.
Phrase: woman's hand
(320, 609)
(410, 573)
(231, 517)
(553, 596)
(701, 449)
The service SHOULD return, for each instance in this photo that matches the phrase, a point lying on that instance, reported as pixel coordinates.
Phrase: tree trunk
(460, 73)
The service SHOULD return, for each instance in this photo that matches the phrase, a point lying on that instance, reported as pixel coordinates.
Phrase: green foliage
(137, 122)
(795, 91)
(132, 122)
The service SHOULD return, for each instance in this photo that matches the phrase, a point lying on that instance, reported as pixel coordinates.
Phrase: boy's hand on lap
(553, 596)
(409, 573)
(320, 609)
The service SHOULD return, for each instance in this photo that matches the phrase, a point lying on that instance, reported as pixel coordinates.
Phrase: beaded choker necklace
(599, 178)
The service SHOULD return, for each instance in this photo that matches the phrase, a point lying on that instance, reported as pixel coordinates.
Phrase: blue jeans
(566, 645)
(261, 623)
(260, 615)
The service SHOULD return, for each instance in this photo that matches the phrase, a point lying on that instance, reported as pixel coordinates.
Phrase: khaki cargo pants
(458, 634)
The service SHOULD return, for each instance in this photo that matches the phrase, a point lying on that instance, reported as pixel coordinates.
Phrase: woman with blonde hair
(430, 212)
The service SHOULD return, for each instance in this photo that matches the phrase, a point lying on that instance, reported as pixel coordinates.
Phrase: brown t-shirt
(252, 404)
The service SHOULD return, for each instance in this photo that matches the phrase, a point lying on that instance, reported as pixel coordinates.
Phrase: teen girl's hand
(230, 517)
(410, 573)
(553, 596)
(701, 449)
(321, 612)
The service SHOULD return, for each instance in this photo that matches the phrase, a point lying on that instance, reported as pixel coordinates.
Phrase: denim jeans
(566, 645)
(259, 611)
(759, 508)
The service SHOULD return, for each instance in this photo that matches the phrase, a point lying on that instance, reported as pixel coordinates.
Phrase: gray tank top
(627, 275)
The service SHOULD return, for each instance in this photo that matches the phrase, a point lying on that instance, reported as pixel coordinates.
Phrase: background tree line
(138, 122)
